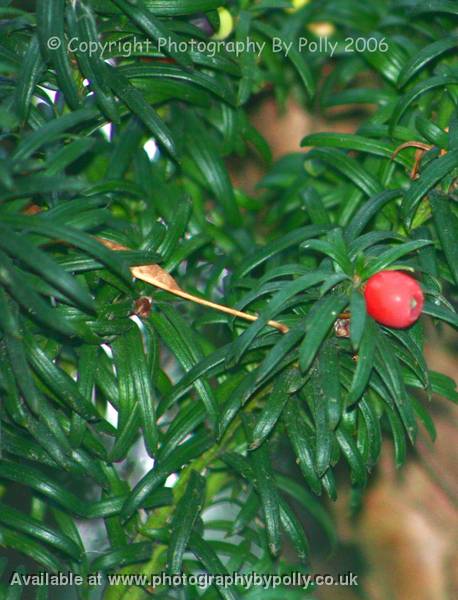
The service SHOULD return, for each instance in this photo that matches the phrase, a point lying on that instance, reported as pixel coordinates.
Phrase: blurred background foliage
(178, 438)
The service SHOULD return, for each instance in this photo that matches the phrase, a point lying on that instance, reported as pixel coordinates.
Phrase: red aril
(393, 299)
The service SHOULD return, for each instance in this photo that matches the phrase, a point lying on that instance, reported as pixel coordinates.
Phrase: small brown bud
(142, 307)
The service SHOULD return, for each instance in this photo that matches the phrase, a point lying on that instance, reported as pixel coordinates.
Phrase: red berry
(393, 299)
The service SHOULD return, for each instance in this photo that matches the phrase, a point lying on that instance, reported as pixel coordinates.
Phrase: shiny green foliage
(190, 440)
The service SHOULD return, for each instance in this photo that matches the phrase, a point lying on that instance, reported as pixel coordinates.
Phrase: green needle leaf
(184, 519)
(318, 324)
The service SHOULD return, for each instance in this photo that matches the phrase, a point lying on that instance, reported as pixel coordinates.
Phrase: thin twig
(158, 277)
(411, 144)
(421, 149)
